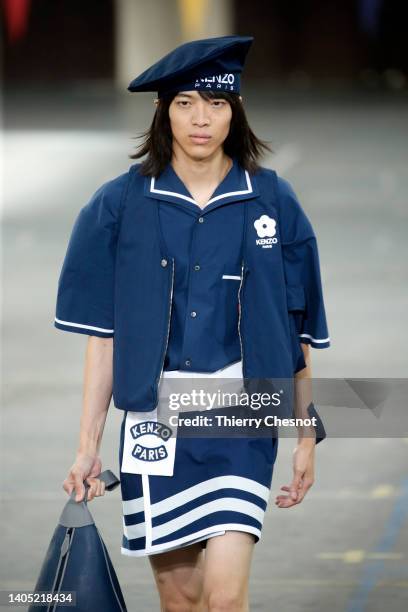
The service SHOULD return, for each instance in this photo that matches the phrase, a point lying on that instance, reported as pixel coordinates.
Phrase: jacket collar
(237, 185)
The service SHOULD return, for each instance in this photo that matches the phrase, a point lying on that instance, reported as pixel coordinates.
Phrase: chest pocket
(226, 324)
(297, 312)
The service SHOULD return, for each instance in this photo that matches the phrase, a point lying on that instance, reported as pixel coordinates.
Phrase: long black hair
(241, 142)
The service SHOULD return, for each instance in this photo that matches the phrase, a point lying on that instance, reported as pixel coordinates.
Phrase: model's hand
(86, 467)
(303, 474)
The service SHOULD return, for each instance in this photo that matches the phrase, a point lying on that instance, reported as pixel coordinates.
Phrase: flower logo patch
(266, 229)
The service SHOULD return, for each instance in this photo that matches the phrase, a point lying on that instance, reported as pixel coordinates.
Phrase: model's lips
(199, 138)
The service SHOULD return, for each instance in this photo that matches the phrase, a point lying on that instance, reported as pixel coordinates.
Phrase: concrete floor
(345, 548)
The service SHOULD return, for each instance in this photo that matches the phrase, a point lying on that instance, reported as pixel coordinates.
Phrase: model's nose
(200, 116)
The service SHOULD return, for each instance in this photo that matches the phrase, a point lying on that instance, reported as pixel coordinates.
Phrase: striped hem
(81, 328)
(315, 342)
(214, 505)
(192, 538)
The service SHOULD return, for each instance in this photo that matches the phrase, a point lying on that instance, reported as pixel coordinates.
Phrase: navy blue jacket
(117, 281)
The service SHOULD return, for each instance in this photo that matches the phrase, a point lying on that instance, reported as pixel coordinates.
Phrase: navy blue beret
(208, 64)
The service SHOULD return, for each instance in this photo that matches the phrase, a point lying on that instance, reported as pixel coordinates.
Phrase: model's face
(199, 126)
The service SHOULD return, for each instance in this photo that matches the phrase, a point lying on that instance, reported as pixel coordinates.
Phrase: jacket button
(164, 262)
(201, 219)
(187, 362)
(196, 267)
(193, 313)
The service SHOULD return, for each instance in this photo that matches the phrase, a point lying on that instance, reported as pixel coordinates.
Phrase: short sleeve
(302, 271)
(85, 298)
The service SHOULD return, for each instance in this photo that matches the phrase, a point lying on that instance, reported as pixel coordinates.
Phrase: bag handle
(107, 476)
(76, 514)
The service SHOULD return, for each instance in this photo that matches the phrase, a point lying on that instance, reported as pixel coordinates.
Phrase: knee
(223, 600)
(177, 605)
(177, 599)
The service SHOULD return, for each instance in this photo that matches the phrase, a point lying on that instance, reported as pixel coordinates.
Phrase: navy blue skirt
(218, 484)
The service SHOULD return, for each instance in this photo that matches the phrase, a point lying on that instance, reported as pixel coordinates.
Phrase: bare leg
(179, 578)
(226, 572)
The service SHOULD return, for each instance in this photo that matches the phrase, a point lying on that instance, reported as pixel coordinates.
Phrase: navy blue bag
(77, 560)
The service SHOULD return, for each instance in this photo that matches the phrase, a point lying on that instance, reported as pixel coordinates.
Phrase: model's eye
(183, 103)
(218, 103)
